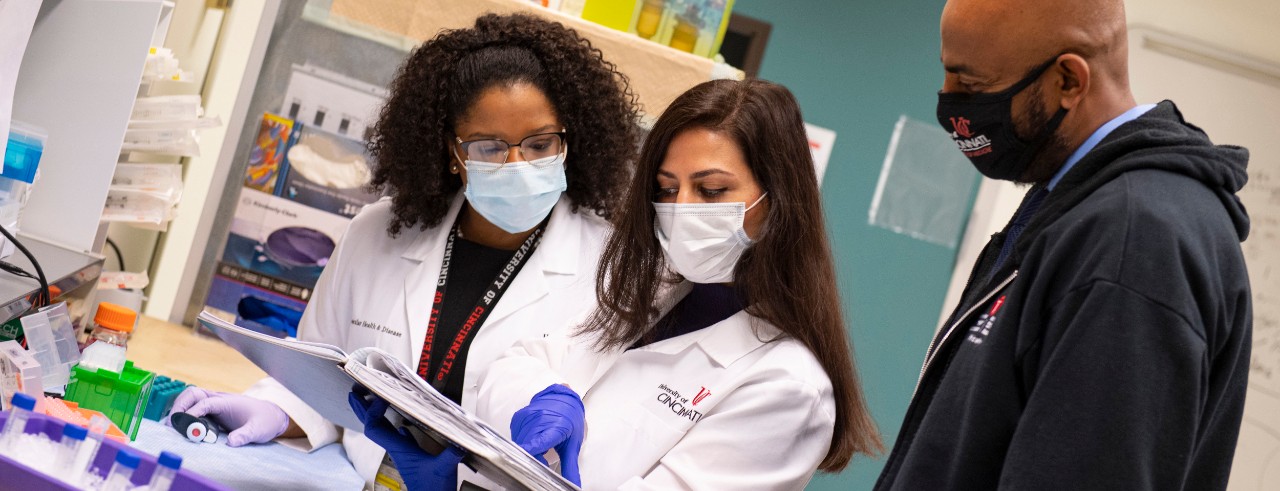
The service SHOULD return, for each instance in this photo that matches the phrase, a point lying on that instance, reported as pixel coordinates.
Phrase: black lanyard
(484, 306)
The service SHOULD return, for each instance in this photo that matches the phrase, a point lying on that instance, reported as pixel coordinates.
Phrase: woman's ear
(456, 165)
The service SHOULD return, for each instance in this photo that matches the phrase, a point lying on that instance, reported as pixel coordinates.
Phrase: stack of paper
(322, 375)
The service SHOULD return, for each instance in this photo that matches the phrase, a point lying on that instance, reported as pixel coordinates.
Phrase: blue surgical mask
(516, 196)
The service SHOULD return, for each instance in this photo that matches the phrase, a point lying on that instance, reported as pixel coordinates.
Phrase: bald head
(1003, 39)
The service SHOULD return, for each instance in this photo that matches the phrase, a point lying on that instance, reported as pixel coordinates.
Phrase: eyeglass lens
(531, 148)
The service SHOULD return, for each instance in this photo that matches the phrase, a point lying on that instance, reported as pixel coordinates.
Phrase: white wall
(1245, 26)
(1238, 102)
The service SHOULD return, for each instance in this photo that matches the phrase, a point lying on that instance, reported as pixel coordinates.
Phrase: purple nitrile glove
(420, 470)
(248, 419)
(554, 418)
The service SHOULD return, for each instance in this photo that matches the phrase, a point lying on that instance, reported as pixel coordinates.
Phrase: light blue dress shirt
(1097, 137)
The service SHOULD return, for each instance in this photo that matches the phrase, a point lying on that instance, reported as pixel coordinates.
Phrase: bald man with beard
(1103, 339)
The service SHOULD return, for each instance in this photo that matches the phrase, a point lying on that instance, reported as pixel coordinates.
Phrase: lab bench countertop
(177, 352)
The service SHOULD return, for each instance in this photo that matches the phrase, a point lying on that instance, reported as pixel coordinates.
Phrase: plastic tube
(16, 423)
(72, 439)
(166, 469)
(119, 479)
(98, 425)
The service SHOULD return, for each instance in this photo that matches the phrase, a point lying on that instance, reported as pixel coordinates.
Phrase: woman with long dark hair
(718, 357)
(503, 150)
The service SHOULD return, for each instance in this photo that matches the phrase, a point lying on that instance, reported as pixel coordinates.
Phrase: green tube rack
(121, 396)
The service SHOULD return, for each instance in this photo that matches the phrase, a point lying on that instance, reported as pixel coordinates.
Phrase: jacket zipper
(938, 342)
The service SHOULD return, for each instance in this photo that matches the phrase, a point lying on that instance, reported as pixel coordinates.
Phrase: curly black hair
(443, 77)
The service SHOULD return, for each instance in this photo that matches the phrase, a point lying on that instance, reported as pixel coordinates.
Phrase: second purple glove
(555, 418)
(247, 419)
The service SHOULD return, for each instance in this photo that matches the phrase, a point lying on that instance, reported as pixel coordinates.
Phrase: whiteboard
(1236, 101)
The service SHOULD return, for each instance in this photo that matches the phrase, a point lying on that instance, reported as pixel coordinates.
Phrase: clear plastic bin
(162, 180)
(166, 108)
(138, 207)
(23, 152)
(52, 340)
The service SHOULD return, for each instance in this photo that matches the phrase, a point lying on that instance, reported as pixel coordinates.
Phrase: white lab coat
(377, 291)
(715, 409)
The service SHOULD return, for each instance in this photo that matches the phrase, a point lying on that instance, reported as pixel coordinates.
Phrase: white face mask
(516, 196)
(703, 241)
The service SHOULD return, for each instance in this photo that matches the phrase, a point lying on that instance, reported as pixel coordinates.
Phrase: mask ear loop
(742, 231)
(1032, 77)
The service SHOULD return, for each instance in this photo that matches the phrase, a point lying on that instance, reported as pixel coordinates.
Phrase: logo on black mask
(982, 127)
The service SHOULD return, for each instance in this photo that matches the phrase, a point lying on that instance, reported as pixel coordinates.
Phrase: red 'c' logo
(702, 394)
(962, 127)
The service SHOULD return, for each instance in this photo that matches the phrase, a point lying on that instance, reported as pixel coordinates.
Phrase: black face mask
(982, 127)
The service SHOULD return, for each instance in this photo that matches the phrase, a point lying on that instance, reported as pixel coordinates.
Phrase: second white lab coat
(378, 291)
(721, 408)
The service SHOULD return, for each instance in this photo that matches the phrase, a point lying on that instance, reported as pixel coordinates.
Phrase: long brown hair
(787, 276)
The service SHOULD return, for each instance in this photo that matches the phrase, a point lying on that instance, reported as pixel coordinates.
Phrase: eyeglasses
(532, 148)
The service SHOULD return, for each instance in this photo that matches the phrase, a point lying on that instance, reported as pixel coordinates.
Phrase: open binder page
(492, 455)
(309, 370)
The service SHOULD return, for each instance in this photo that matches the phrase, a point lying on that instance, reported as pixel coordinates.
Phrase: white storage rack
(79, 77)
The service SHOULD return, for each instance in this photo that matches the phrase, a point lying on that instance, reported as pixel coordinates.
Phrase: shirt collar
(1096, 138)
(724, 342)
(730, 342)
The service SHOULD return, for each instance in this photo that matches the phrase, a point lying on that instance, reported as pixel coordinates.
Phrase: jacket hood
(1160, 139)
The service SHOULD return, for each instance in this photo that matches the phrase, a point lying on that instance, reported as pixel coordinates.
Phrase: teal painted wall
(855, 66)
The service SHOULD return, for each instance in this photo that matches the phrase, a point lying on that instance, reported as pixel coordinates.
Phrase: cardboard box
(658, 74)
(282, 238)
(302, 186)
(267, 157)
(328, 172)
(273, 257)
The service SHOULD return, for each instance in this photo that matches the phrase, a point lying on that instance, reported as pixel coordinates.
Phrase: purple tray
(18, 476)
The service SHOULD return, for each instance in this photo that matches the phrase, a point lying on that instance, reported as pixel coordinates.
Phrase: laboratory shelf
(64, 268)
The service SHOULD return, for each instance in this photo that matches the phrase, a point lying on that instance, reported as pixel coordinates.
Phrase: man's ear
(1072, 78)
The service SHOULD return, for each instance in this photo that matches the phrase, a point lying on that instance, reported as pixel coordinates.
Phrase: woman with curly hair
(502, 151)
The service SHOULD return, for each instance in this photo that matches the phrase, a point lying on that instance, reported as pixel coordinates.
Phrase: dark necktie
(1020, 220)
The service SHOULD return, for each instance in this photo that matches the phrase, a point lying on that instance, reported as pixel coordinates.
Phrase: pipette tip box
(163, 392)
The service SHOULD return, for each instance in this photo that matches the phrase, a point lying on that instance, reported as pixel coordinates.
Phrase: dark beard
(1051, 155)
